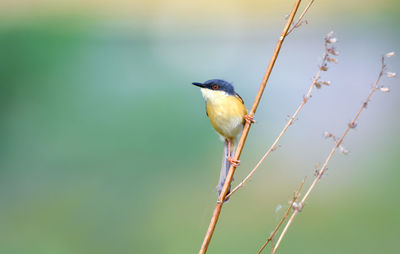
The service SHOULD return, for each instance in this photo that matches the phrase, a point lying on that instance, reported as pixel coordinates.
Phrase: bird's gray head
(217, 85)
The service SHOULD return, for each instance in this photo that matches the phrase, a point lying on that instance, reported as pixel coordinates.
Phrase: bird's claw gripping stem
(234, 162)
(249, 119)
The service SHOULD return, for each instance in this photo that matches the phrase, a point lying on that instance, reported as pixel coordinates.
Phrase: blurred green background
(106, 148)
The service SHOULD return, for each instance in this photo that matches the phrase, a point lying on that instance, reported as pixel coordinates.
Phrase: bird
(228, 114)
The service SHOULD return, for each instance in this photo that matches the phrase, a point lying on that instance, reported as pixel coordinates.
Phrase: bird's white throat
(211, 95)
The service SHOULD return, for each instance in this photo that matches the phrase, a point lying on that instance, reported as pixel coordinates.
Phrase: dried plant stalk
(246, 128)
(329, 50)
(298, 207)
(300, 20)
(272, 236)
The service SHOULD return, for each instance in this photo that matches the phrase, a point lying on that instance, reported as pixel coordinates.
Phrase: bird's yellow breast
(225, 111)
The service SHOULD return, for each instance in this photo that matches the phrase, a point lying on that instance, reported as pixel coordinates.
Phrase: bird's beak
(198, 84)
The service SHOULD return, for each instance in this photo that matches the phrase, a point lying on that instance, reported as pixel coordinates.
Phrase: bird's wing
(240, 98)
(245, 110)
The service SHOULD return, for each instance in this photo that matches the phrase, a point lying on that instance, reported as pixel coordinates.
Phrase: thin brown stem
(290, 122)
(284, 231)
(272, 236)
(351, 125)
(246, 128)
(300, 20)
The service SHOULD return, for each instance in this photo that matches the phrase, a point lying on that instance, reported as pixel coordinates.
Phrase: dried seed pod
(391, 74)
(390, 54)
(332, 60)
(384, 89)
(332, 40)
(333, 51)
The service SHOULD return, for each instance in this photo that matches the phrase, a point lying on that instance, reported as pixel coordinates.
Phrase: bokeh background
(106, 148)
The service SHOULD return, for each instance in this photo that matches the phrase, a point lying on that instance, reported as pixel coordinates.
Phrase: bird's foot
(234, 162)
(249, 119)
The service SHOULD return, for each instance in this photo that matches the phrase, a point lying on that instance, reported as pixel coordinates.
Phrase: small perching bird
(227, 114)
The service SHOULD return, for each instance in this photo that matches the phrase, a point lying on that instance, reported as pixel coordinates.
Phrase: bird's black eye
(215, 87)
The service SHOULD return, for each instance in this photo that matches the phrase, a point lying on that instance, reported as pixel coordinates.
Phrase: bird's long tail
(225, 166)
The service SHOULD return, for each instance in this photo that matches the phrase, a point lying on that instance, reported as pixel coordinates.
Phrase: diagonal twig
(300, 20)
(246, 128)
(272, 236)
(350, 126)
(329, 39)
